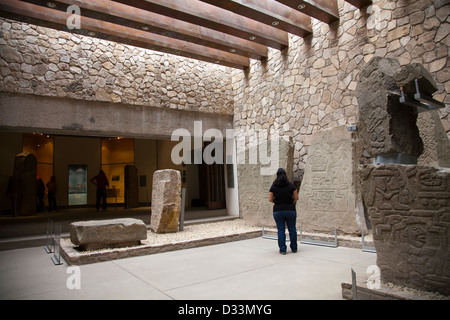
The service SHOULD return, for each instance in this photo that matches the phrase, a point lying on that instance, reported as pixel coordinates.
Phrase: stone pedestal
(166, 201)
(328, 194)
(409, 209)
(24, 184)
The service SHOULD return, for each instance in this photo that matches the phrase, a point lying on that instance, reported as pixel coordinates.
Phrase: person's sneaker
(282, 252)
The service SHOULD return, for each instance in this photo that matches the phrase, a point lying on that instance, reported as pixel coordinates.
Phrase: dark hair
(281, 179)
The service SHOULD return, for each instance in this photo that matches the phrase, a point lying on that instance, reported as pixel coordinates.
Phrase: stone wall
(40, 61)
(312, 85)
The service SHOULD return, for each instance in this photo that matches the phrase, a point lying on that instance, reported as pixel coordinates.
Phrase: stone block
(328, 194)
(436, 143)
(385, 125)
(409, 209)
(113, 233)
(255, 181)
(166, 201)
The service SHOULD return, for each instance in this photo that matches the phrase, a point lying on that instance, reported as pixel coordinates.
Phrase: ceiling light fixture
(252, 38)
(51, 4)
(275, 23)
(232, 50)
(301, 6)
(145, 28)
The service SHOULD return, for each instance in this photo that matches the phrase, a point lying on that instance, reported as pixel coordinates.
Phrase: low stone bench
(113, 233)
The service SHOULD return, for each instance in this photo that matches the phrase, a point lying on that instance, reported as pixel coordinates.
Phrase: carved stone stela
(408, 205)
(254, 187)
(409, 208)
(327, 197)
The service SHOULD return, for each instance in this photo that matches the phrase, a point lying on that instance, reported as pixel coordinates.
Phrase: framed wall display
(77, 185)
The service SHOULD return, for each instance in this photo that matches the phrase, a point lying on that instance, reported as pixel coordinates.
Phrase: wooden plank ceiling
(225, 32)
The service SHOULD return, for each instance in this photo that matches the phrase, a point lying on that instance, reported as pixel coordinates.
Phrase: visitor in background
(284, 196)
(101, 182)
(51, 189)
(40, 193)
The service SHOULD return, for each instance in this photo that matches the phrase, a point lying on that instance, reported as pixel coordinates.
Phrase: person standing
(51, 189)
(40, 192)
(102, 183)
(283, 194)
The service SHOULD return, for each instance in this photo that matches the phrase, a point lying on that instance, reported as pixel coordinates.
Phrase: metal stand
(266, 236)
(354, 288)
(56, 245)
(53, 238)
(49, 244)
(319, 242)
(183, 196)
(367, 248)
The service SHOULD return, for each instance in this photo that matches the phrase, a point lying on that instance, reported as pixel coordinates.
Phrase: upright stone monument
(24, 184)
(387, 128)
(409, 207)
(255, 178)
(408, 204)
(328, 194)
(166, 201)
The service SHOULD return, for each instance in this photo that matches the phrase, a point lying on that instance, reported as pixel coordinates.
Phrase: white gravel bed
(201, 231)
(189, 233)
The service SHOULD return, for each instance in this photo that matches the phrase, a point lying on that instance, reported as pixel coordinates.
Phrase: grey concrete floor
(242, 270)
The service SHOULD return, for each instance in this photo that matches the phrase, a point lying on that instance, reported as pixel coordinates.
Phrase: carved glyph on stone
(166, 201)
(409, 209)
(327, 197)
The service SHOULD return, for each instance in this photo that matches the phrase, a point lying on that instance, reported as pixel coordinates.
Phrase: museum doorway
(212, 180)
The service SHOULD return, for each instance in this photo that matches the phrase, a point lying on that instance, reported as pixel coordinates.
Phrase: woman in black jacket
(284, 196)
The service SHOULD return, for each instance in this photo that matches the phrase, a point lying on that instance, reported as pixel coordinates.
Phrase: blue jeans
(289, 218)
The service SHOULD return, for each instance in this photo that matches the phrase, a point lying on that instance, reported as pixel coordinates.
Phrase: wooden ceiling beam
(323, 10)
(48, 17)
(360, 3)
(270, 13)
(212, 17)
(144, 20)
